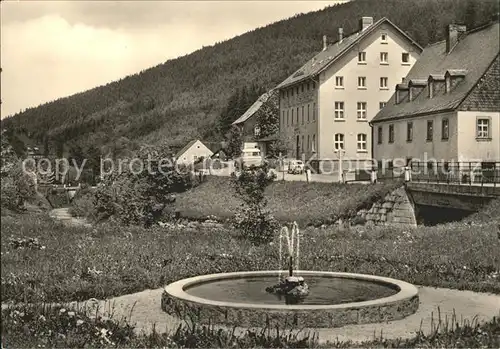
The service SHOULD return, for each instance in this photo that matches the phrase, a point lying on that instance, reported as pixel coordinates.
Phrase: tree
(8, 157)
(234, 142)
(268, 118)
(253, 219)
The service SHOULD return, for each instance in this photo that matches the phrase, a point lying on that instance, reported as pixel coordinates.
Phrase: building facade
(326, 106)
(448, 108)
(191, 152)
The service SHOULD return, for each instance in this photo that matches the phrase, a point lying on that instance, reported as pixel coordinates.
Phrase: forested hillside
(184, 97)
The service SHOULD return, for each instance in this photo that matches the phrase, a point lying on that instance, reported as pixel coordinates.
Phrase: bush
(252, 219)
(135, 198)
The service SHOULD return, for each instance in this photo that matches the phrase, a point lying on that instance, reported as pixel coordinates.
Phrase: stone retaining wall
(395, 209)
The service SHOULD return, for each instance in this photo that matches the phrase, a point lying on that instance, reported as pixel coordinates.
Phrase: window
(314, 111)
(297, 115)
(302, 115)
(383, 82)
(292, 116)
(381, 105)
(339, 141)
(287, 117)
(391, 133)
(283, 118)
(405, 57)
(361, 142)
(292, 91)
(483, 128)
(409, 132)
(339, 81)
(445, 129)
(339, 110)
(361, 82)
(302, 143)
(380, 134)
(308, 86)
(302, 88)
(361, 57)
(361, 110)
(384, 57)
(430, 130)
(314, 143)
(383, 38)
(308, 143)
(308, 112)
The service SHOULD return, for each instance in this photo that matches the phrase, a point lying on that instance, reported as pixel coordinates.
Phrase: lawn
(307, 203)
(44, 260)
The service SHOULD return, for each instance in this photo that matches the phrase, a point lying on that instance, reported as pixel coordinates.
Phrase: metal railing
(463, 173)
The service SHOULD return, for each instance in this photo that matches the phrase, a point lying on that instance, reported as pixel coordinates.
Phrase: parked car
(296, 166)
(249, 157)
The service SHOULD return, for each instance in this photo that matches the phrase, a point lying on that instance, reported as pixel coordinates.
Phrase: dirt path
(143, 309)
(63, 215)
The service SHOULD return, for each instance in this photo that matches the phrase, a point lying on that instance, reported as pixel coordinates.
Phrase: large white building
(448, 109)
(326, 105)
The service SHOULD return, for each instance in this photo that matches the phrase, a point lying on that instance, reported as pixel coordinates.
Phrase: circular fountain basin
(335, 299)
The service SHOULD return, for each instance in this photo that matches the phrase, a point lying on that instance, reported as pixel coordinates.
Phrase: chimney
(453, 35)
(365, 22)
(325, 44)
(341, 34)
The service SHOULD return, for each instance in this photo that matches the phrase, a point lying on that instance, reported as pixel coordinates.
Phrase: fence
(471, 173)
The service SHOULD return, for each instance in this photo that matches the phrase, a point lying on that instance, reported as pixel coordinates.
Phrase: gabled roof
(325, 58)
(470, 59)
(263, 99)
(185, 148)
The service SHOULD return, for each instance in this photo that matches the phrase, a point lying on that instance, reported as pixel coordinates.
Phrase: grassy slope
(306, 203)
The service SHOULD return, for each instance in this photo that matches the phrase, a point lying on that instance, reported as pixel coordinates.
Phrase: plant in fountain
(293, 286)
(253, 220)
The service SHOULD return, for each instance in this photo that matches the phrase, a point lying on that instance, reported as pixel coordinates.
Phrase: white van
(249, 157)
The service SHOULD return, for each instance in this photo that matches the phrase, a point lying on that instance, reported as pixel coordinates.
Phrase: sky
(52, 49)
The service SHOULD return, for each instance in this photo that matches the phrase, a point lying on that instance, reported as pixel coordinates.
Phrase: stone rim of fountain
(406, 291)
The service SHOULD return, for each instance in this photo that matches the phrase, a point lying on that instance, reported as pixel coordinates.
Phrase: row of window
(383, 82)
(339, 113)
(482, 130)
(361, 141)
(311, 85)
(384, 57)
(291, 115)
(311, 143)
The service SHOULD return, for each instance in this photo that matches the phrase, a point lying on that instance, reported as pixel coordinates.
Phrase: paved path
(63, 215)
(143, 310)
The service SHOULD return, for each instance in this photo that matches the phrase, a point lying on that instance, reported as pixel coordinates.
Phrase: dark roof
(469, 59)
(263, 99)
(185, 148)
(334, 51)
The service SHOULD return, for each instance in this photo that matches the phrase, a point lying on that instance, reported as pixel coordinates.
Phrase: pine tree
(234, 142)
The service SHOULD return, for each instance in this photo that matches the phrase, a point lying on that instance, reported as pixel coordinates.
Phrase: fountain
(328, 299)
(293, 288)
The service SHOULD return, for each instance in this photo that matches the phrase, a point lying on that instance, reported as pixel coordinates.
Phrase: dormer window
(453, 75)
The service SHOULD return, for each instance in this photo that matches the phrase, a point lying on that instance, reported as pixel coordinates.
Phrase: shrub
(138, 198)
(253, 219)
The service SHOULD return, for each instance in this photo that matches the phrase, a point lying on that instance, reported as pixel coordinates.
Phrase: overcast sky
(51, 49)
